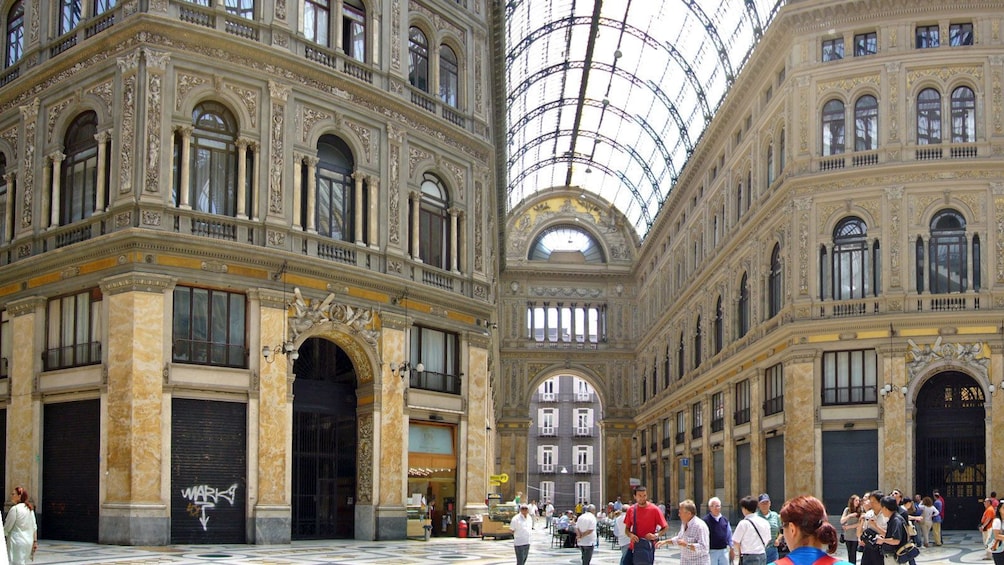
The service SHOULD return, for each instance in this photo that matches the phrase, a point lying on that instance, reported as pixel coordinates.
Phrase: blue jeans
(522, 551)
(587, 553)
(719, 556)
(626, 557)
(771, 553)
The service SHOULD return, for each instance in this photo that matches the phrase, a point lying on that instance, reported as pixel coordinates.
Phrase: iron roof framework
(613, 96)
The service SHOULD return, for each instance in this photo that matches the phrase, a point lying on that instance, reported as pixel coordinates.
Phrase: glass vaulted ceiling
(612, 96)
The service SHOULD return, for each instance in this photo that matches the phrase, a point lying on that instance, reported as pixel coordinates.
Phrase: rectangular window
(697, 421)
(960, 34)
(439, 354)
(549, 390)
(742, 414)
(667, 433)
(773, 390)
(73, 328)
(209, 327)
(865, 44)
(833, 49)
(927, 37)
(718, 412)
(5, 344)
(583, 392)
(681, 425)
(849, 377)
(546, 490)
(546, 458)
(548, 419)
(644, 442)
(582, 492)
(584, 422)
(583, 459)
(547, 323)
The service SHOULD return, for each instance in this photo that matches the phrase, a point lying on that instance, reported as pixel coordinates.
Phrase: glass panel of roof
(654, 73)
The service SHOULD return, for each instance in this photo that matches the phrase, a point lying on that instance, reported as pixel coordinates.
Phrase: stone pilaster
(617, 459)
(476, 453)
(800, 426)
(512, 456)
(134, 511)
(893, 425)
(390, 442)
(273, 414)
(27, 319)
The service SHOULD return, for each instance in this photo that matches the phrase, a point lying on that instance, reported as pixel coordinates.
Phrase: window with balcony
(5, 344)
(240, 8)
(960, 34)
(668, 368)
(316, 20)
(449, 76)
(681, 368)
(770, 163)
(548, 390)
(718, 412)
(571, 323)
(928, 117)
(213, 167)
(73, 329)
(644, 442)
(354, 29)
(69, 15)
(865, 44)
(584, 422)
(79, 170)
(775, 291)
(681, 426)
(866, 123)
(927, 36)
(546, 458)
(833, 49)
(963, 115)
(853, 271)
(947, 253)
(697, 343)
(583, 459)
(583, 390)
(439, 353)
(833, 128)
(742, 414)
(849, 377)
(743, 307)
(667, 433)
(547, 420)
(434, 223)
(696, 420)
(418, 59)
(15, 34)
(546, 490)
(773, 390)
(335, 204)
(209, 327)
(582, 492)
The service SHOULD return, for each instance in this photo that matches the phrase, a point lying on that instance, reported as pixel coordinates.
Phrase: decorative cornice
(24, 306)
(137, 282)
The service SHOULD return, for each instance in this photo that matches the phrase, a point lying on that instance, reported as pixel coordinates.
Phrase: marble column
(270, 498)
(99, 197)
(475, 455)
(24, 435)
(512, 460)
(242, 178)
(311, 194)
(373, 184)
(893, 437)
(357, 206)
(800, 425)
(184, 184)
(57, 179)
(617, 468)
(134, 510)
(389, 439)
(413, 225)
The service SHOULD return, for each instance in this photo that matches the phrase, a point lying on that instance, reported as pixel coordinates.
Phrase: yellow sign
(494, 484)
(503, 478)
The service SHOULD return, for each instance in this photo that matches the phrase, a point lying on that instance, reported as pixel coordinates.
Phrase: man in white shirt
(585, 533)
(751, 534)
(521, 524)
(533, 514)
(548, 513)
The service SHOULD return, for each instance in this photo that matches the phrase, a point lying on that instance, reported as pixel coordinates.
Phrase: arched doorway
(324, 442)
(951, 445)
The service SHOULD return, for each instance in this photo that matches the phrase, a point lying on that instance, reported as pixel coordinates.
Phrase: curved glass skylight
(566, 239)
(613, 96)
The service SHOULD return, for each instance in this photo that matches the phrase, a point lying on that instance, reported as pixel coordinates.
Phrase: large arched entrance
(324, 442)
(951, 445)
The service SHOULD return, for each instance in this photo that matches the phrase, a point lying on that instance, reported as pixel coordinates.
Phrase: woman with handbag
(849, 523)
(996, 544)
(808, 533)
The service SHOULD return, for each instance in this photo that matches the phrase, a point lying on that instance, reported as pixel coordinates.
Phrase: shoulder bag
(644, 551)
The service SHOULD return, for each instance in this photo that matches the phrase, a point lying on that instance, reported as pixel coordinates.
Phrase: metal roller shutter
(71, 440)
(208, 471)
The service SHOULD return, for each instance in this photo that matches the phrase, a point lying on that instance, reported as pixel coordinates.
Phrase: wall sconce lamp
(287, 349)
(888, 389)
(404, 367)
(564, 470)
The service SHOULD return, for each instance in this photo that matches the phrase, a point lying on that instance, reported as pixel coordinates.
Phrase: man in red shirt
(645, 524)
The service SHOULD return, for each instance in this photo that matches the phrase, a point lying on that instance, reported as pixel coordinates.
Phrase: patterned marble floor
(960, 547)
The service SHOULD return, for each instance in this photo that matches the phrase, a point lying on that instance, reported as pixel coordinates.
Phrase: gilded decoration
(847, 84)
(944, 74)
(803, 205)
(975, 356)
(894, 196)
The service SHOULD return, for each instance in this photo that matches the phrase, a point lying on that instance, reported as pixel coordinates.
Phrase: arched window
(928, 117)
(697, 343)
(240, 8)
(418, 59)
(774, 300)
(79, 180)
(316, 19)
(681, 367)
(213, 167)
(335, 189)
(719, 326)
(739, 200)
(667, 374)
(566, 244)
(743, 311)
(865, 123)
(833, 128)
(434, 224)
(963, 115)
(354, 29)
(15, 34)
(449, 76)
(947, 253)
(852, 269)
(770, 163)
(69, 15)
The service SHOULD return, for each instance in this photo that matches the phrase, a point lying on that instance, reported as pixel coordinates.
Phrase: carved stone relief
(974, 356)
(309, 117)
(29, 113)
(250, 99)
(364, 470)
(184, 84)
